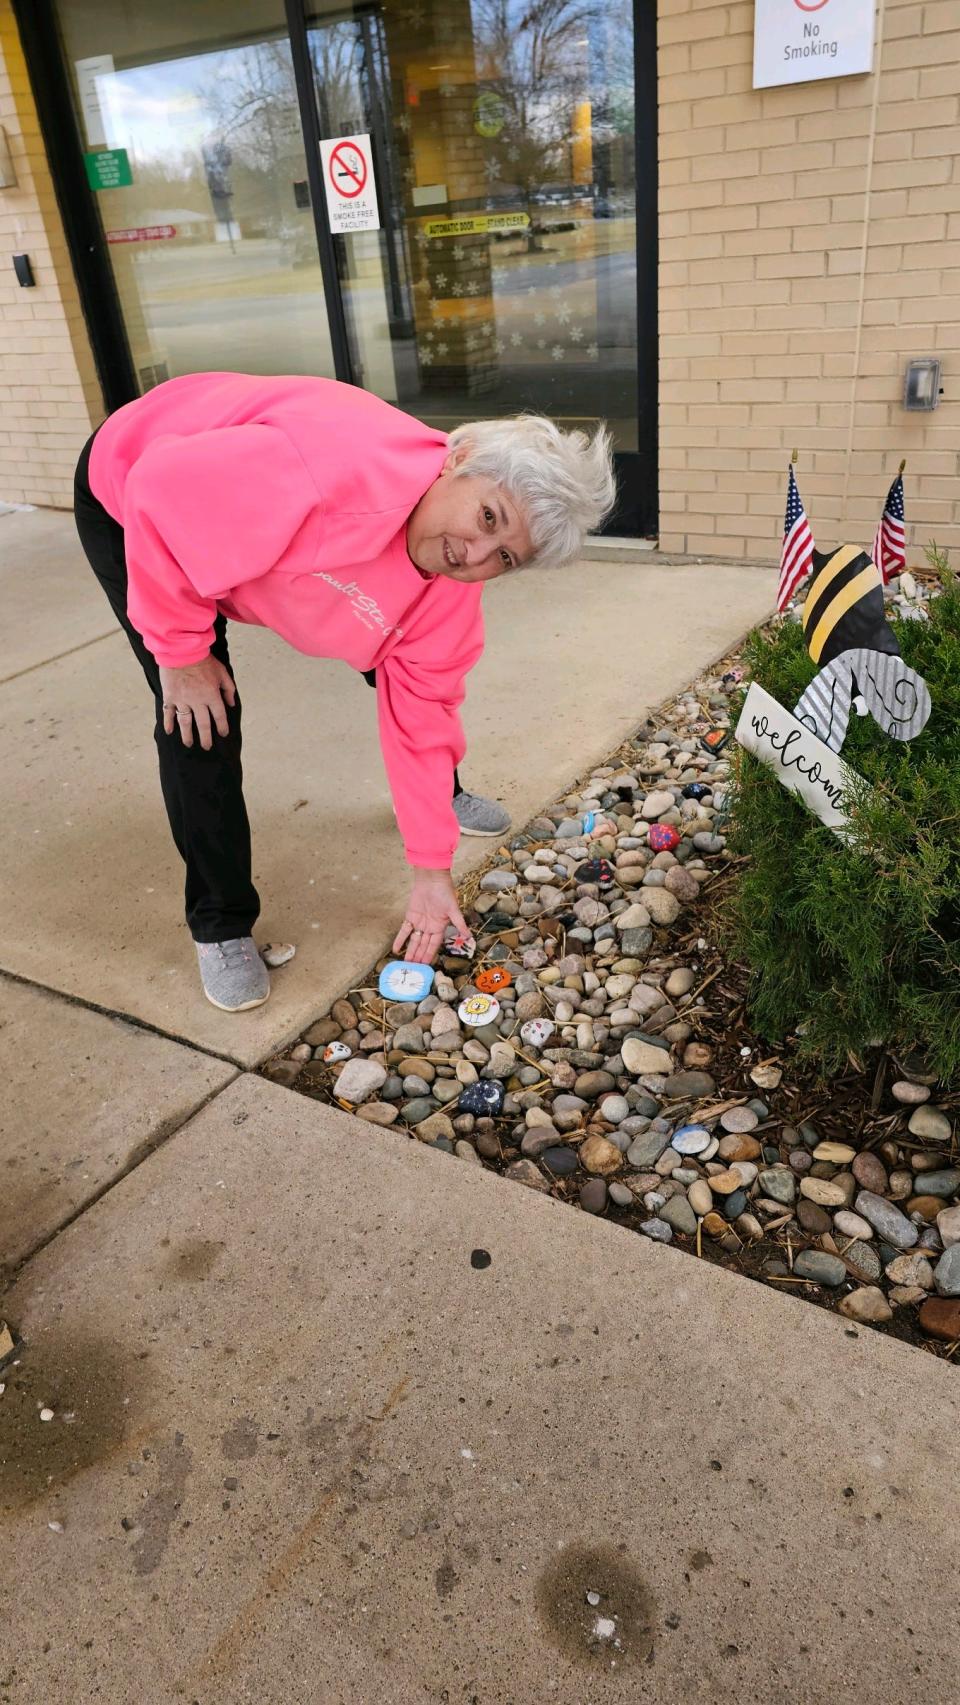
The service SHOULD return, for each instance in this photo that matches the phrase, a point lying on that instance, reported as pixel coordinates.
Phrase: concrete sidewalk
(90, 888)
(308, 1444)
(305, 1452)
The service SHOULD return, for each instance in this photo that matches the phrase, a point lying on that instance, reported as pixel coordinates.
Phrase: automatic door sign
(348, 181)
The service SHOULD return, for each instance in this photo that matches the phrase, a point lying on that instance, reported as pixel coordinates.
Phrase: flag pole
(901, 467)
(793, 458)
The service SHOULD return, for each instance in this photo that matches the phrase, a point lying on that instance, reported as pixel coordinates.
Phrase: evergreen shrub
(858, 943)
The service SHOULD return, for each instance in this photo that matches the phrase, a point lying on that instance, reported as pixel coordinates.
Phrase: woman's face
(466, 527)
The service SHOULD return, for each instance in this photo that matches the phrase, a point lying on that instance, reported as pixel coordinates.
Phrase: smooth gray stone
(646, 1150)
(777, 1182)
(887, 1221)
(679, 1214)
(946, 1273)
(938, 1183)
(817, 1264)
(420, 1108)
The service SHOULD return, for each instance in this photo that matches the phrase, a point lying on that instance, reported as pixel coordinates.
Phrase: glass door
(190, 123)
(504, 275)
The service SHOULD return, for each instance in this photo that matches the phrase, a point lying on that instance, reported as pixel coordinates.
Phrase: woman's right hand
(196, 694)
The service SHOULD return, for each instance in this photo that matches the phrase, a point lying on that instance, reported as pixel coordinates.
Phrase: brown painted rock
(940, 1318)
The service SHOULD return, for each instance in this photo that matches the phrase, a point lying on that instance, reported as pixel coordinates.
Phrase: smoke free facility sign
(348, 181)
(799, 41)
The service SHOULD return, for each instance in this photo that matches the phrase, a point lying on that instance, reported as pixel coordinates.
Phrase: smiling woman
(523, 492)
(354, 532)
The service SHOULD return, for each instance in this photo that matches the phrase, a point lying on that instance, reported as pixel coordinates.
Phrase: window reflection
(508, 142)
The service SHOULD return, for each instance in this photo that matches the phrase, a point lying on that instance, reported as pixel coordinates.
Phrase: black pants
(202, 791)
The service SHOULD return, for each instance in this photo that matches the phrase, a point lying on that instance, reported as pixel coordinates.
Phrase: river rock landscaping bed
(621, 1075)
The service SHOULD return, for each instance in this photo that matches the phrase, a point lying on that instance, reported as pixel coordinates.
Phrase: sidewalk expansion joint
(131, 1019)
(142, 1152)
(58, 656)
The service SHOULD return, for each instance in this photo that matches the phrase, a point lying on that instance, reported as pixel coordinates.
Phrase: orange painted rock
(491, 981)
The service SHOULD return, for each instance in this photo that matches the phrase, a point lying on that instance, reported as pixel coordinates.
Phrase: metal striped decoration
(897, 697)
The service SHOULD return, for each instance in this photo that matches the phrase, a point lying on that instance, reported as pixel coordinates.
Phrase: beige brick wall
(809, 245)
(49, 395)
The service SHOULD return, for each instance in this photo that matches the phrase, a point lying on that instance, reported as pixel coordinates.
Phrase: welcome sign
(801, 762)
(798, 41)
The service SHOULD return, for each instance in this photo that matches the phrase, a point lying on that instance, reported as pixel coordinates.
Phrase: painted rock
(696, 790)
(484, 1099)
(491, 981)
(690, 1139)
(406, 980)
(336, 1051)
(537, 1032)
(715, 739)
(662, 838)
(478, 1009)
(460, 946)
(595, 870)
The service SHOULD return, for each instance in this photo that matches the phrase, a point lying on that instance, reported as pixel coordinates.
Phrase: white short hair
(562, 482)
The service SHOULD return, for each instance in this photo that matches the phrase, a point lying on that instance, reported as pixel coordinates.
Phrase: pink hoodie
(283, 502)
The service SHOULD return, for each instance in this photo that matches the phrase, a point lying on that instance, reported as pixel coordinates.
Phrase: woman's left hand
(431, 907)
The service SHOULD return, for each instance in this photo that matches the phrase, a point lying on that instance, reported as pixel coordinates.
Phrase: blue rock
(484, 1098)
(735, 1205)
(696, 790)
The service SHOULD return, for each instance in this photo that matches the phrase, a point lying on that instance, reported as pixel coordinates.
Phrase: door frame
(637, 509)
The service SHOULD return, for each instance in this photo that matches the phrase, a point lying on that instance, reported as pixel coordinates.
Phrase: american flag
(796, 558)
(888, 546)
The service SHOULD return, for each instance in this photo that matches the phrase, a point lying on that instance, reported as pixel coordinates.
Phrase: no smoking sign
(348, 182)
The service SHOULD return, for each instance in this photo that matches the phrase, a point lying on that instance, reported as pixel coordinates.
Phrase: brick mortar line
(864, 250)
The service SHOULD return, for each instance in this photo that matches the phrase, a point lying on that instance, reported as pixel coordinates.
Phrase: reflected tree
(532, 65)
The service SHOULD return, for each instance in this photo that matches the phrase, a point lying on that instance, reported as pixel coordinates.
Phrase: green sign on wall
(108, 169)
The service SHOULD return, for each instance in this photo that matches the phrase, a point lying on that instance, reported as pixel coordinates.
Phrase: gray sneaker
(234, 975)
(479, 816)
